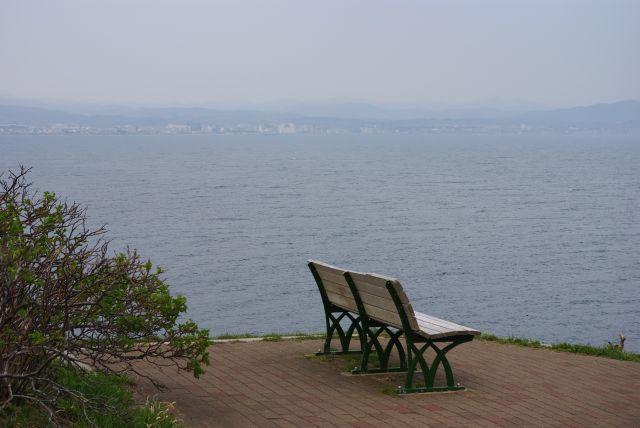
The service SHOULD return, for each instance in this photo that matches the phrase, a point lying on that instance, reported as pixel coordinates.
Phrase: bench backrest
(333, 285)
(377, 301)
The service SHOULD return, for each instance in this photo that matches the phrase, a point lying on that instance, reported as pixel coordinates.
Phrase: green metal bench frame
(411, 359)
(334, 316)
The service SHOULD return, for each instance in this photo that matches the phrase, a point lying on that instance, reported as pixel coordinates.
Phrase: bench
(382, 307)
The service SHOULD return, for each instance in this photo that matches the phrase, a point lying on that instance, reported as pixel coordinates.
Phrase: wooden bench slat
(452, 329)
(333, 276)
(384, 316)
(431, 330)
(428, 335)
(377, 301)
(437, 328)
(366, 287)
(431, 327)
(440, 322)
(344, 303)
(332, 287)
(340, 296)
(323, 265)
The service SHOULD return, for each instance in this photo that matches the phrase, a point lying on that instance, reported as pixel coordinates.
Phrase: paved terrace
(273, 384)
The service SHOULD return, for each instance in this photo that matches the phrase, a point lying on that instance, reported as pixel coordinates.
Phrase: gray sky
(394, 53)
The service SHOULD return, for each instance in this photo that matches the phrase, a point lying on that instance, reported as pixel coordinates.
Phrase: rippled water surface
(527, 236)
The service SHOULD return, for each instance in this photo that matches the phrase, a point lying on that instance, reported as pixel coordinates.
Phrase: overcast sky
(390, 53)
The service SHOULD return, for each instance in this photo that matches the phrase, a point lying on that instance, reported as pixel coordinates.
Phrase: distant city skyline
(256, 54)
(616, 118)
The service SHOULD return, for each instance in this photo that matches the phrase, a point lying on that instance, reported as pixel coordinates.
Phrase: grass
(269, 337)
(229, 336)
(347, 362)
(393, 392)
(307, 336)
(117, 407)
(598, 351)
(273, 338)
(512, 340)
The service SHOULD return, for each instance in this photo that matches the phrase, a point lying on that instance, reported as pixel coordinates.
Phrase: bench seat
(435, 328)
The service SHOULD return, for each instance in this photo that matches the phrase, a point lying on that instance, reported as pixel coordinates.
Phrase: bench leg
(383, 353)
(335, 327)
(417, 359)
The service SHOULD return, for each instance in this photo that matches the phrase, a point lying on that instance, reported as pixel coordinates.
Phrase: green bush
(64, 298)
(117, 409)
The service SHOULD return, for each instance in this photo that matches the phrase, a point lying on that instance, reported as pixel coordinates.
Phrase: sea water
(535, 236)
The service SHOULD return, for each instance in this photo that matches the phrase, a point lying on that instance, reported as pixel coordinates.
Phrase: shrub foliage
(65, 299)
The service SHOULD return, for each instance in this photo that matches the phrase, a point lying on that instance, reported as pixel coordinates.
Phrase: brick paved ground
(273, 384)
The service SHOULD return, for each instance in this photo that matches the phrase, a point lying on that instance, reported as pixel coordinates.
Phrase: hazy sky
(215, 53)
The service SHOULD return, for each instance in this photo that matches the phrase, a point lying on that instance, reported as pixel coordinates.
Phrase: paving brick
(273, 384)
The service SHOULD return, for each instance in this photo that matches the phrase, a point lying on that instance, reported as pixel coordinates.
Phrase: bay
(534, 236)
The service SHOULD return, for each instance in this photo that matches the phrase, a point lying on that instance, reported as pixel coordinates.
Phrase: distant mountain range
(623, 112)
(38, 116)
